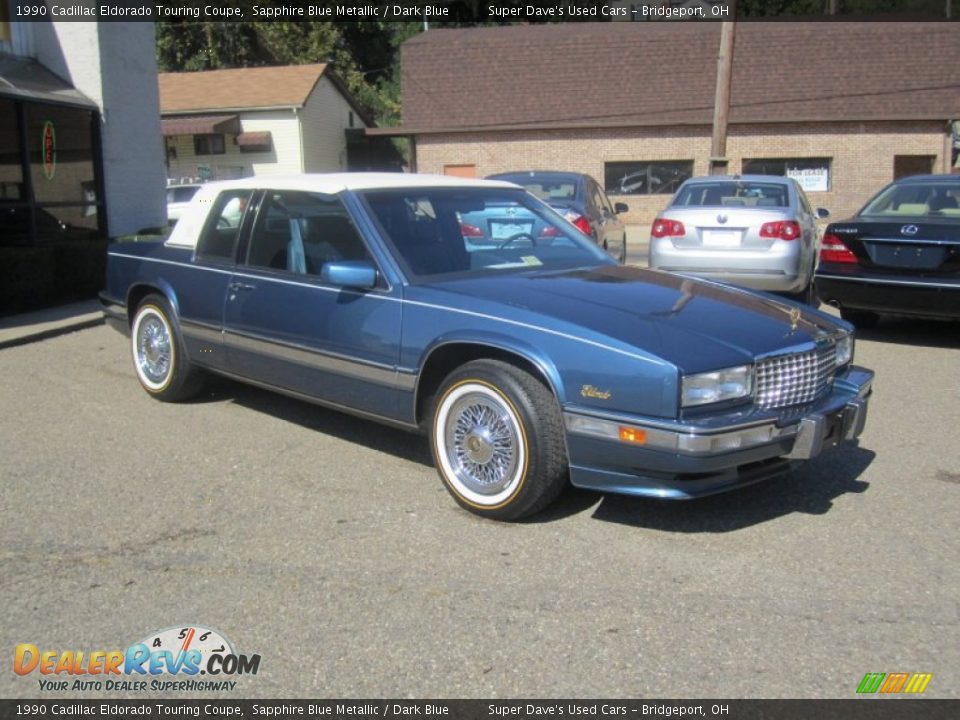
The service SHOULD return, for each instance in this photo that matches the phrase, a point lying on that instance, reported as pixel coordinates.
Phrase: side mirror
(620, 208)
(360, 274)
(823, 213)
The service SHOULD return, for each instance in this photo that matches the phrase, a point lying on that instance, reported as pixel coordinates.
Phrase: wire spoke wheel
(497, 440)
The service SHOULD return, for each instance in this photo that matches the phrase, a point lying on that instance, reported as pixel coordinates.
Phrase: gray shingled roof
(642, 74)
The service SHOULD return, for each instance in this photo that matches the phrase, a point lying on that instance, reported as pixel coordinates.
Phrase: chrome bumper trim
(813, 432)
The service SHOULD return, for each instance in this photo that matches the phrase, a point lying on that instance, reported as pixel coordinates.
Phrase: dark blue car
(528, 364)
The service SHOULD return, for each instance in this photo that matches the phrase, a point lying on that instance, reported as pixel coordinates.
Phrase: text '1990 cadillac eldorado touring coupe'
(528, 356)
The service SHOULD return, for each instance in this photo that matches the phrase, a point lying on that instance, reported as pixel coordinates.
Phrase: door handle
(238, 286)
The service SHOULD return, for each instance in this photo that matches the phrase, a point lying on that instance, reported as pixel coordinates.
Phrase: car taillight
(784, 230)
(833, 249)
(580, 222)
(550, 231)
(664, 227)
(470, 231)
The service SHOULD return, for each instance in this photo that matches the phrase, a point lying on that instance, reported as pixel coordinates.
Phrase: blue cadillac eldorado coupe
(527, 354)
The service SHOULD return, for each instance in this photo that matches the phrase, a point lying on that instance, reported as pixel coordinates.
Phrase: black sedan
(581, 200)
(900, 255)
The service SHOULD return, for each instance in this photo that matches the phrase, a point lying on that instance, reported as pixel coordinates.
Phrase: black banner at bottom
(855, 709)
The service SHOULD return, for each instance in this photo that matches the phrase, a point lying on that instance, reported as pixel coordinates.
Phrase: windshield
(473, 231)
(916, 199)
(732, 194)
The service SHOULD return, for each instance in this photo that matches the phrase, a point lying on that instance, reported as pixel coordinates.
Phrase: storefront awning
(200, 125)
(25, 79)
(254, 139)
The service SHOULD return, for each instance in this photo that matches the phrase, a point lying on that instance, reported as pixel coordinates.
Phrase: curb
(47, 333)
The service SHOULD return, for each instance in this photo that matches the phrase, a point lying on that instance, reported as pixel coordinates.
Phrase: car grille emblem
(721, 218)
(909, 230)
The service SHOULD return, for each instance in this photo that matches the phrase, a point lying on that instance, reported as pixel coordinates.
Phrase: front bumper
(686, 460)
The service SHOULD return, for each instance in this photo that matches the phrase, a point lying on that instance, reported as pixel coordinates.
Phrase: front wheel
(497, 440)
(158, 357)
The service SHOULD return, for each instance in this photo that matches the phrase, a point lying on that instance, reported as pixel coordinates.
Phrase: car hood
(694, 324)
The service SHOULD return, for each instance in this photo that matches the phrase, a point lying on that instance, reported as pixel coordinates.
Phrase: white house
(222, 124)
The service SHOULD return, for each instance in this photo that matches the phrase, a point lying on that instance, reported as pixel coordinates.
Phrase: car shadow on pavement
(370, 434)
(921, 333)
(811, 488)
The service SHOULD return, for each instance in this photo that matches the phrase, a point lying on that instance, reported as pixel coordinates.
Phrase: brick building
(843, 107)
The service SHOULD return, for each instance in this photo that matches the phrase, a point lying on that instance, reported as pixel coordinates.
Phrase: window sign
(49, 146)
(811, 174)
(811, 179)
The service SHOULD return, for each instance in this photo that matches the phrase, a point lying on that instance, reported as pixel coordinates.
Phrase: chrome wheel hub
(481, 443)
(153, 349)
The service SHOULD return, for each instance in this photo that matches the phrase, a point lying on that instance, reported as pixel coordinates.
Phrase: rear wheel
(158, 356)
(497, 440)
(861, 318)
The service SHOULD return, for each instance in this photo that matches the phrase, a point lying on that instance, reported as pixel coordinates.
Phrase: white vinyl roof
(188, 227)
(331, 183)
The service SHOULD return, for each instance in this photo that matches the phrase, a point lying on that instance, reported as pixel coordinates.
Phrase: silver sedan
(757, 231)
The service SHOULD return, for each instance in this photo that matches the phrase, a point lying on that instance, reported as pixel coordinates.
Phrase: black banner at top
(459, 11)
(380, 709)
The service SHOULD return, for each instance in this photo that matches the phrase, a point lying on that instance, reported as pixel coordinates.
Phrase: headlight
(713, 387)
(844, 349)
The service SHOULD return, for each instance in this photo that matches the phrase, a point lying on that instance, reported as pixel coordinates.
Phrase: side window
(219, 236)
(300, 232)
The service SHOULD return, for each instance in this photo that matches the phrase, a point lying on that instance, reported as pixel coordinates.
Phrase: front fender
(581, 375)
(503, 343)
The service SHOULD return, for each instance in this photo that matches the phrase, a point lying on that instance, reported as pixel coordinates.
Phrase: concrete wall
(325, 116)
(114, 64)
(861, 154)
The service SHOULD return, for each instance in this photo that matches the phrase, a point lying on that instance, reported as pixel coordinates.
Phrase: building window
(906, 165)
(646, 177)
(209, 145)
(813, 174)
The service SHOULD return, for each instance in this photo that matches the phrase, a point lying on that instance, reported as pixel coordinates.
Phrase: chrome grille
(796, 378)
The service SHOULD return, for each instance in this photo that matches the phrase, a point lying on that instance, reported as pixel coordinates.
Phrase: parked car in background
(581, 200)
(178, 198)
(527, 366)
(757, 231)
(899, 255)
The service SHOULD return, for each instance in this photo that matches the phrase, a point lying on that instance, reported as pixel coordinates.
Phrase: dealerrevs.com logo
(182, 653)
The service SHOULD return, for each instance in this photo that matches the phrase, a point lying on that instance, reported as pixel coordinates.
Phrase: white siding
(284, 157)
(326, 115)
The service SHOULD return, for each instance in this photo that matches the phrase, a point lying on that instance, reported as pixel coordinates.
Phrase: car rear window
(916, 199)
(181, 194)
(732, 194)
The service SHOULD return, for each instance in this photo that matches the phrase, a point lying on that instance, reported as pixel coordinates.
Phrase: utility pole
(721, 103)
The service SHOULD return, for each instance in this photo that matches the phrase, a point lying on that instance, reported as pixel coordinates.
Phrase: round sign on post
(49, 144)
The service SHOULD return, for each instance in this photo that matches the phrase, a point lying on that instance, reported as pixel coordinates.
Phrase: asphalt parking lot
(327, 545)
